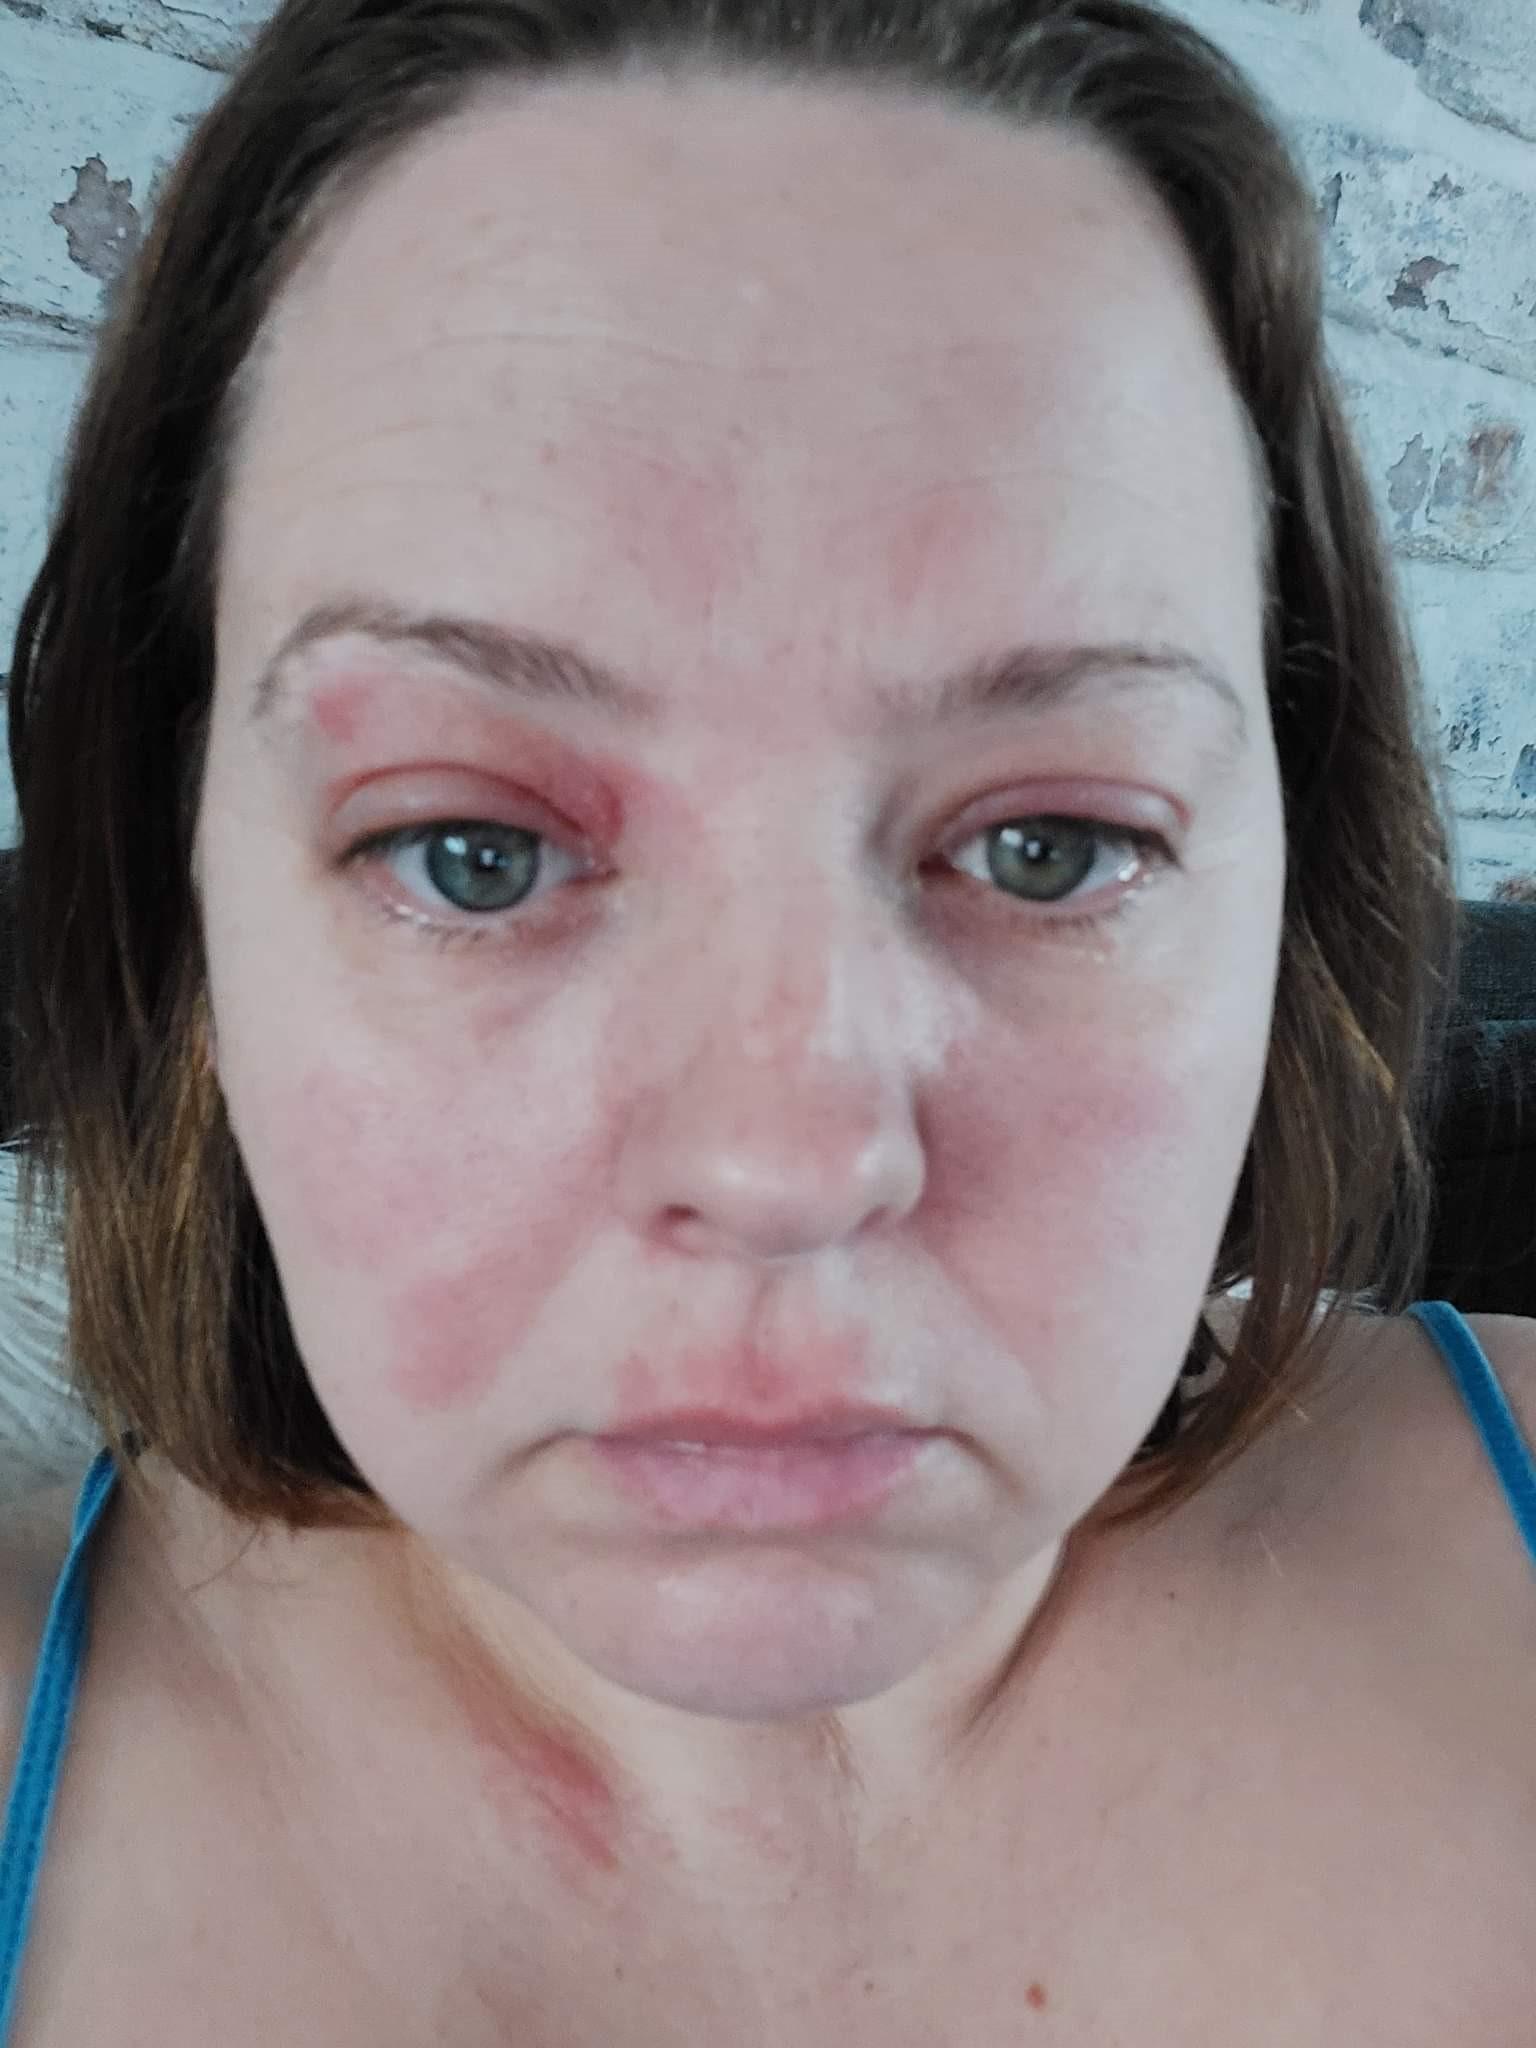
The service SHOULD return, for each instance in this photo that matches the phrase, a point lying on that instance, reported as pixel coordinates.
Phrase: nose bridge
(802, 961)
(782, 1115)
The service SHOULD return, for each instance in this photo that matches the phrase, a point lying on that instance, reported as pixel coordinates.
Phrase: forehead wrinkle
(581, 327)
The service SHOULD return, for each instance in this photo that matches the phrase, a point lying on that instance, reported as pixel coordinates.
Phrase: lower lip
(803, 1485)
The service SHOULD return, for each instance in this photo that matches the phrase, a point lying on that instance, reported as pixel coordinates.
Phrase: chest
(1210, 1889)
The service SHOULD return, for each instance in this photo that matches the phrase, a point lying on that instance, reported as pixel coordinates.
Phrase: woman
(748, 830)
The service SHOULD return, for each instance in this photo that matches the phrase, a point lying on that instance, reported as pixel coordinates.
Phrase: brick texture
(1414, 121)
(1473, 56)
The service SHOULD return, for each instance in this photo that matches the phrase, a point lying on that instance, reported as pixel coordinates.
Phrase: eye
(1049, 860)
(473, 866)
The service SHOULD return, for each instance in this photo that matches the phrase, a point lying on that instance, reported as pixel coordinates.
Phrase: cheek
(416, 1247)
(1084, 1178)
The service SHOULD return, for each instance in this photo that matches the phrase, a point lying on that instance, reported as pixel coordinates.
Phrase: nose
(785, 1120)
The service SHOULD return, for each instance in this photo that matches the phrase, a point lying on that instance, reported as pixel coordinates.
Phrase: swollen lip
(710, 1428)
(762, 1481)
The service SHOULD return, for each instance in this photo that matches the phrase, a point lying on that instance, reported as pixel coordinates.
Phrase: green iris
(1043, 858)
(482, 867)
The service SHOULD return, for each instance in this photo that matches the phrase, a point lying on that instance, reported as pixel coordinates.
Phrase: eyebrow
(539, 670)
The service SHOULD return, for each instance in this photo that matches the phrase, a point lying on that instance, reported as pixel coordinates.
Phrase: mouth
(706, 1469)
(722, 1429)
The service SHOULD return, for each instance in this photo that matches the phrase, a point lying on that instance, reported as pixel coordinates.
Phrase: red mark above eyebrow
(338, 708)
(1036, 1996)
(936, 542)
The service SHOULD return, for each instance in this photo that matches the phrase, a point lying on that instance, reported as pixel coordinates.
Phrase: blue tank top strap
(1489, 1405)
(45, 1735)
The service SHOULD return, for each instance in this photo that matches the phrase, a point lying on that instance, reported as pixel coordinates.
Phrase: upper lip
(718, 1426)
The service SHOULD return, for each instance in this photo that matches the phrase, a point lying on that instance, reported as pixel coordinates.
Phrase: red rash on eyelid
(426, 725)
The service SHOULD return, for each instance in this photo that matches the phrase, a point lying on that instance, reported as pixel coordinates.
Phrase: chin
(770, 1638)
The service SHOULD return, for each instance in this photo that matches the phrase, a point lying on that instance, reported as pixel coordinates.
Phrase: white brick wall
(1415, 119)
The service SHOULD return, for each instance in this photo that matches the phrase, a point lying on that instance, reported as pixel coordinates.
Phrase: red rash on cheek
(359, 1193)
(348, 1184)
(455, 1330)
(1020, 1168)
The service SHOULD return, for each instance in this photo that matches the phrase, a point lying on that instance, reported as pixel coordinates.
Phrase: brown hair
(179, 1333)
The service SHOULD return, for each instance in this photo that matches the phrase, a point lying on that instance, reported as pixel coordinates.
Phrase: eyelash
(1152, 852)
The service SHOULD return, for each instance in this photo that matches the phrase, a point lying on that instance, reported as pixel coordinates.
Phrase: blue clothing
(46, 1731)
(44, 1737)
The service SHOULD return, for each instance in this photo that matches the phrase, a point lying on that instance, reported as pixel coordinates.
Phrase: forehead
(741, 353)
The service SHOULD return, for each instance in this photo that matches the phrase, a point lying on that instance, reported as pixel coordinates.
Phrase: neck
(457, 1681)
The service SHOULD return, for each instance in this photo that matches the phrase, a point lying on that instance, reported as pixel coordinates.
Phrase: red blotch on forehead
(681, 528)
(937, 540)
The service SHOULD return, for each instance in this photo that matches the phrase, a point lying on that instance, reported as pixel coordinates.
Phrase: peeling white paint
(1422, 153)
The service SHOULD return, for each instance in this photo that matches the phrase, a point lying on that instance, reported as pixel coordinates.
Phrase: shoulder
(1510, 1342)
(1374, 1487)
(1428, 1423)
(34, 1542)
(1387, 1487)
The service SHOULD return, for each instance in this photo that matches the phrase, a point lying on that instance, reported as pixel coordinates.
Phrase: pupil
(1043, 858)
(481, 867)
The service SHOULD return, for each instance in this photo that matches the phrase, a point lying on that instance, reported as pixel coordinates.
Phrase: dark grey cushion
(1483, 1248)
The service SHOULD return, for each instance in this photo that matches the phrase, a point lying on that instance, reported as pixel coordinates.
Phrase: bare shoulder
(34, 1542)
(1387, 1466)
(1510, 1342)
(1427, 1431)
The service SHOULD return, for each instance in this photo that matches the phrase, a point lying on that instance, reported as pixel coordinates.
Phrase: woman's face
(742, 857)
